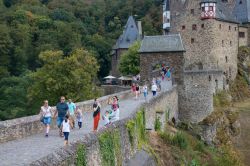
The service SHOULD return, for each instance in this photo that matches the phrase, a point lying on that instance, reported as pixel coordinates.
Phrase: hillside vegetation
(28, 28)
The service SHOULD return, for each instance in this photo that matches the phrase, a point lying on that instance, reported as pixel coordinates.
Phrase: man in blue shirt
(61, 112)
(72, 111)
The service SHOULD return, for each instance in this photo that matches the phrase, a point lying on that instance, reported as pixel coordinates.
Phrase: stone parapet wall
(164, 107)
(166, 102)
(111, 89)
(26, 126)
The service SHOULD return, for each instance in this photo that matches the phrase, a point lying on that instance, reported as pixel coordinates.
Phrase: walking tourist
(46, 112)
(72, 111)
(79, 117)
(154, 89)
(66, 124)
(96, 114)
(168, 74)
(145, 92)
(61, 111)
(158, 83)
(133, 89)
(137, 91)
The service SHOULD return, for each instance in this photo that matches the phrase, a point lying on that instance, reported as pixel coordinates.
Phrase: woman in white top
(46, 113)
(66, 124)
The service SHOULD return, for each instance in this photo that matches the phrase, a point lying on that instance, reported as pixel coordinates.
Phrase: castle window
(229, 28)
(226, 58)
(192, 40)
(222, 43)
(194, 27)
(183, 27)
(202, 25)
(242, 34)
(220, 26)
(192, 11)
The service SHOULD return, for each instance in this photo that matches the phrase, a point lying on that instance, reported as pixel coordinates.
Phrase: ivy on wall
(81, 156)
(110, 148)
(136, 129)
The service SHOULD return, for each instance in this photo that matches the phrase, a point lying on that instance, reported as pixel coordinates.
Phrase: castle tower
(132, 32)
(210, 35)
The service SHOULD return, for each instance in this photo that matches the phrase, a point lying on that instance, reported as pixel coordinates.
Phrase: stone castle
(201, 40)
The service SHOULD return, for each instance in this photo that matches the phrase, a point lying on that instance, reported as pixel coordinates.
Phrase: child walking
(66, 129)
(79, 117)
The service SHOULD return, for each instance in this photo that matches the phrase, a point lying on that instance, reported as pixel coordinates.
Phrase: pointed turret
(129, 36)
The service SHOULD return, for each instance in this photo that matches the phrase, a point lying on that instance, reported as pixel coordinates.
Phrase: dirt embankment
(242, 143)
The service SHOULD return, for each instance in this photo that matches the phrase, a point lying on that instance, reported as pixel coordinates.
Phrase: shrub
(180, 140)
(157, 124)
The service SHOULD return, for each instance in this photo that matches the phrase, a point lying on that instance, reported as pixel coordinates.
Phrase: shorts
(59, 121)
(47, 120)
(66, 136)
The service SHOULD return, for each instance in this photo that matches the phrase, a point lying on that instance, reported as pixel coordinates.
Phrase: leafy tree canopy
(130, 60)
(70, 76)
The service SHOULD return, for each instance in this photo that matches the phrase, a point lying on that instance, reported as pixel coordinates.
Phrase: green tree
(70, 76)
(130, 60)
(13, 97)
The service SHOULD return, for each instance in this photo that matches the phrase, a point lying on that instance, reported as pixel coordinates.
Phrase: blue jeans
(66, 136)
(59, 121)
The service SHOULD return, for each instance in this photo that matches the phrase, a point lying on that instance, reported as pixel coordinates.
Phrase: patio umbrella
(109, 77)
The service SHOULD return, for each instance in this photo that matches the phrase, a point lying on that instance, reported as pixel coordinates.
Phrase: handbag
(42, 118)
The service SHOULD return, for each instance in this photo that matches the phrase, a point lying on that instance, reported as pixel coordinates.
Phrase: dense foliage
(130, 61)
(30, 27)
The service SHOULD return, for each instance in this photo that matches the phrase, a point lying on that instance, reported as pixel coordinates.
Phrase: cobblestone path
(29, 149)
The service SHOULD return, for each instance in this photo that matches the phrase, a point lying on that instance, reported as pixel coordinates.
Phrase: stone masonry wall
(165, 107)
(173, 59)
(211, 44)
(198, 52)
(195, 96)
(22, 127)
(166, 102)
(225, 47)
(243, 41)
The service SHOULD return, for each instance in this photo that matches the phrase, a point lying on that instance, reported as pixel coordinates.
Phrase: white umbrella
(124, 78)
(109, 77)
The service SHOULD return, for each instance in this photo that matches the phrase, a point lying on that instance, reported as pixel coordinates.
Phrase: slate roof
(129, 36)
(242, 10)
(164, 43)
(224, 13)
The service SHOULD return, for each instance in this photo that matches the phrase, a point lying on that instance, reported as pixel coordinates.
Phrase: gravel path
(26, 150)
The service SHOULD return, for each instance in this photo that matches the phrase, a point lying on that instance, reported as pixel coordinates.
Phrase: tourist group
(67, 114)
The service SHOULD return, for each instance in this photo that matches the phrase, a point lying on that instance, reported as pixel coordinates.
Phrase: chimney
(139, 29)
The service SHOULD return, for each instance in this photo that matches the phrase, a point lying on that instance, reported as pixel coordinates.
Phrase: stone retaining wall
(26, 126)
(167, 101)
